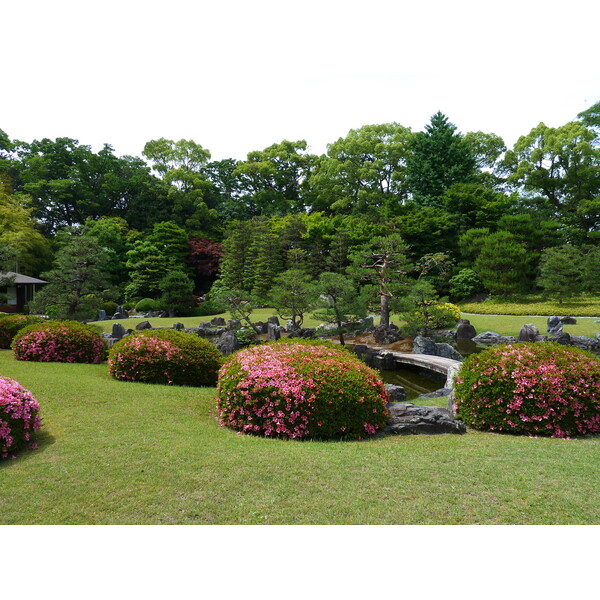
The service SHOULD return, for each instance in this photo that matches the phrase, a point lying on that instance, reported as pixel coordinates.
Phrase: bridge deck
(445, 366)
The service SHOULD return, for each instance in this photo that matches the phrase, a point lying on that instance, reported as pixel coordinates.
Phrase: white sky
(240, 75)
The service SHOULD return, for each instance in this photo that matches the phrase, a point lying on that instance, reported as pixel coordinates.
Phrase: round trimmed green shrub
(11, 324)
(165, 356)
(301, 389)
(60, 341)
(19, 417)
(110, 307)
(146, 305)
(530, 389)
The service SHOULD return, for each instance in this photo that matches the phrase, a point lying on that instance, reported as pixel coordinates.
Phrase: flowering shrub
(531, 389)
(18, 417)
(165, 356)
(11, 324)
(59, 341)
(300, 389)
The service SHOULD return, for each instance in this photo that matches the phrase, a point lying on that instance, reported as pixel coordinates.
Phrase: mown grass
(503, 324)
(511, 324)
(126, 453)
(581, 306)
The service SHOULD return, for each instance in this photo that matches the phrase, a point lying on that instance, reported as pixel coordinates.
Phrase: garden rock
(561, 338)
(218, 322)
(178, 326)
(101, 315)
(528, 333)
(227, 343)
(273, 331)
(409, 419)
(386, 335)
(273, 321)
(260, 327)
(234, 324)
(143, 325)
(425, 345)
(121, 313)
(554, 326)
(489, 338)
(568, 321)
(464, 330)
(303, 333)
(118, 331)
(586, 343)
(396, 392)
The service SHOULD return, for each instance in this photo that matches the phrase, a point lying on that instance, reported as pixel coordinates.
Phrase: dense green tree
(263, 262)
(591, 119)
(31, 252)
(502, 263)
(147, 267)
(172, 242)
(428, 230)
(177, 294)
(292, 295)
(339, 301)
(563, 165)
(591, 269)
(561, 271)
(273, 180)
(440, 158)
(384, 264)
(181, 164)
(236, 254)
(364, 172)
(473, 206)
(76, 281)
(464, 284)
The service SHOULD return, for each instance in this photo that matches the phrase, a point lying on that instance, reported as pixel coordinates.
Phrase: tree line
(491, 219)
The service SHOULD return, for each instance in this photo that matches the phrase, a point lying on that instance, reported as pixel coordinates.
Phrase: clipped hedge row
(543, 309)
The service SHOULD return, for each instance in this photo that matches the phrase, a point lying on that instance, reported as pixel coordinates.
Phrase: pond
(414, 381)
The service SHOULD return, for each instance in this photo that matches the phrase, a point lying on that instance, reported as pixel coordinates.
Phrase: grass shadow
(43, 439)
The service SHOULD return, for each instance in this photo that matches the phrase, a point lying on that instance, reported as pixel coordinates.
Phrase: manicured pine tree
(561, 271)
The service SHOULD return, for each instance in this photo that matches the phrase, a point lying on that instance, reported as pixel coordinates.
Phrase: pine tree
(561, 272)
(440, 157)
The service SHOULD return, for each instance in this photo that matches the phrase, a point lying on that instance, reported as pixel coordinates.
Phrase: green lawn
(504, 324)
(125, 453)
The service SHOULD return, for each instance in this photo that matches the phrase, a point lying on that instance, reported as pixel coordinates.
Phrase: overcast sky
(240, 75)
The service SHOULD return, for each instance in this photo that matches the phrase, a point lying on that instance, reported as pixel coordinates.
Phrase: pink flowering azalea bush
(295, 389)
(530, 389)
(11, 324)
(60, 341)
(165, 356)
(19, 417)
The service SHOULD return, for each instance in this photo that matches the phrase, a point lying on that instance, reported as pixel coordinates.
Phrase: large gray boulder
(425, 345)
(386, 335)
(227, 343)
(396, 392)
(118, 331)
(464, 330)
(409, 419)
(554, 326)
(528, 333)
(143, 325)
(273, 331)
(489, 338)
(586, 343)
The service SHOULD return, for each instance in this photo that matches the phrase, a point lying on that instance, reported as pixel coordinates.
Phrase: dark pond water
(414, 382)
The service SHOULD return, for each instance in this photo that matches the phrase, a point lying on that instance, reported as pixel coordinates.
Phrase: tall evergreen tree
(440, 157)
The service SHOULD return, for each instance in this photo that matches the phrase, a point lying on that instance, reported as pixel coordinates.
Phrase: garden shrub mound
(530, 389)
(165, 356)
(60, 341)
(10, 325)
(301, 389)
(19, 417)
